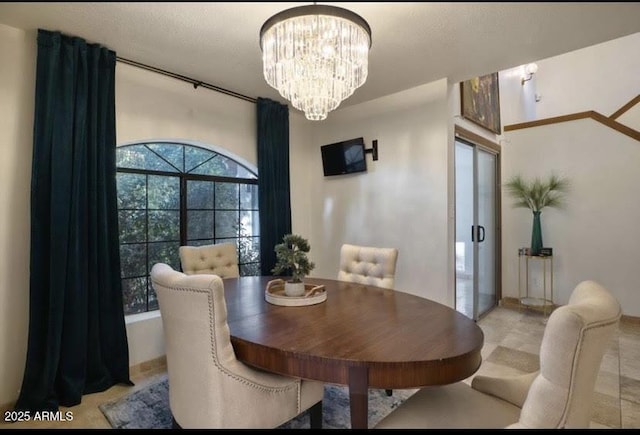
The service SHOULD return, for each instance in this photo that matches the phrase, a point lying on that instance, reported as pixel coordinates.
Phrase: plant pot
(294, 288)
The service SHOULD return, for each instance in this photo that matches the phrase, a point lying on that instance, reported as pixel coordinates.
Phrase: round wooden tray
(274, 294)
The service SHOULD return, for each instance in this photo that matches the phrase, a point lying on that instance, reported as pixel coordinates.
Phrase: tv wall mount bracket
(373, 150)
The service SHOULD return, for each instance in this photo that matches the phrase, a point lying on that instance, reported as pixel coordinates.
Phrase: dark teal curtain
(77, 337)
(273, 179)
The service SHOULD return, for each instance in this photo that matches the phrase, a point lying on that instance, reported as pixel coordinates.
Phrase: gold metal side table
(525, 297)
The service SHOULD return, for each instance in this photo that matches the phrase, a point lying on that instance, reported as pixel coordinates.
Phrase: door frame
(484, 143)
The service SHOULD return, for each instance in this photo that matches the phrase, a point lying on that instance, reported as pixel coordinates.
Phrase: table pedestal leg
(359, 397)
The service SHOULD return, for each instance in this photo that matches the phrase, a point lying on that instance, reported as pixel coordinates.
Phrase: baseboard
(145, 366)
(630, 319)
(511, 302)
(6, 407)
(134, 370)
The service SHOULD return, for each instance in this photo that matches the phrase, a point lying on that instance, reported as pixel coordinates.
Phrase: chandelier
(316, 56)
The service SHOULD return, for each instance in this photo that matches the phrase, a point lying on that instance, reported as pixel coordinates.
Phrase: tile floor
(512, 343)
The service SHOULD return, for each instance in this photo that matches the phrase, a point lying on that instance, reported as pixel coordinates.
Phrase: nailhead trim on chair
(574, 368)
(295, 382)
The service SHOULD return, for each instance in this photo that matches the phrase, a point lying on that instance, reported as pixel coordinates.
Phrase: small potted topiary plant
(291, 256)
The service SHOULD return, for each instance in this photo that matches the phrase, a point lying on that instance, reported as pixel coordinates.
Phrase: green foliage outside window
(221, 205)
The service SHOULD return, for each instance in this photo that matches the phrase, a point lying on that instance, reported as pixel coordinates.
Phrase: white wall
(153, 106)
(401, 201)
(603, 77)
(17, 90)
(631, 118)
(302, 156)
(596, 236)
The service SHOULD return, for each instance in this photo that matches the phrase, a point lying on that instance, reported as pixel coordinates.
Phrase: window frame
(183, 179)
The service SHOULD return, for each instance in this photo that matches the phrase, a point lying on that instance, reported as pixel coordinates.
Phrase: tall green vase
(536, 234)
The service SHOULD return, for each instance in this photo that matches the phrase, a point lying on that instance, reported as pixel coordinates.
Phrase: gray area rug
(148, 408)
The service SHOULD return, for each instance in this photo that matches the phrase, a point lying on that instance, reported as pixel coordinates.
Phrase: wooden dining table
(360, 336)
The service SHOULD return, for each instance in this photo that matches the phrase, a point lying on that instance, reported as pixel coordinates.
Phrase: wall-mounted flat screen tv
(344, 157)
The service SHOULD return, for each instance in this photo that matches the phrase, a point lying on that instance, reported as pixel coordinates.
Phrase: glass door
(486, 231)
(476, 228)
(465, 221)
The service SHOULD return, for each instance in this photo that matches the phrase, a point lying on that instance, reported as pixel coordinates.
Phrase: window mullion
(183, 210)
(215, 236)
(239, 220)
(146, 214)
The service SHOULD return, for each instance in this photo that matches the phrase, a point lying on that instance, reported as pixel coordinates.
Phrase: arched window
(173, 194)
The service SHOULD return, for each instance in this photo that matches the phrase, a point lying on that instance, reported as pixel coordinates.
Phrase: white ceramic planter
(294, 288)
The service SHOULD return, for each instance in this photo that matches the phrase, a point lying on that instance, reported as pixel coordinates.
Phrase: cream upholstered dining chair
(220, 259)
(368, 265)
(208, 386)
(559, 395)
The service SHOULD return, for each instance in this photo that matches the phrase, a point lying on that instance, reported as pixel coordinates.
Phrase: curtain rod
(194, 82)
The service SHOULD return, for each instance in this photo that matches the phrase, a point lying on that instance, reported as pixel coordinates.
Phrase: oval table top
(401, 340)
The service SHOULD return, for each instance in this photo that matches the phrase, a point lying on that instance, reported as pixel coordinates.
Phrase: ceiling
(413, 43)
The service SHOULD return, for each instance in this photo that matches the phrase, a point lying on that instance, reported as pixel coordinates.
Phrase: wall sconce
(530, 69)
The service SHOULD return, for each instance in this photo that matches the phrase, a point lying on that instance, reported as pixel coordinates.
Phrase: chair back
(209, 388)
(220, 259)
(574, 341)
(368, 265)
(198, 342)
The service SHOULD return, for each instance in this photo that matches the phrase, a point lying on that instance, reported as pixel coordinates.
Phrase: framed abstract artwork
(480, 101)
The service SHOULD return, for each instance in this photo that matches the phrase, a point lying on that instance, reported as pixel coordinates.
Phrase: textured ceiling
(413, 43)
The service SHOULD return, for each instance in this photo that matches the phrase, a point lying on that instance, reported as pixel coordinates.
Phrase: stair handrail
(609, 121)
